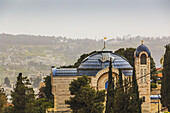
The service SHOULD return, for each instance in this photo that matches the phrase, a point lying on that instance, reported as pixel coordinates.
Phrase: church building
(96, 67)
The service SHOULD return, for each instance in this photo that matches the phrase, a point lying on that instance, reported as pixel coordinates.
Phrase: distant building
(96, 68)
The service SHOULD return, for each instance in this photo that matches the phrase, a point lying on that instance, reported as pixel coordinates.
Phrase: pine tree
(85, 99)
(119, 95)
(110, 91)
(127, 96)
(165, 84)
(135, 102)
(22, 96)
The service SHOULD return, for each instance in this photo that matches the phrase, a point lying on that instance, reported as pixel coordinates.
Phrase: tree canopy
(165, 84)
(85, 99)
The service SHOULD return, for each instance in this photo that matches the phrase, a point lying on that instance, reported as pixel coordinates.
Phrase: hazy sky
(85, 18)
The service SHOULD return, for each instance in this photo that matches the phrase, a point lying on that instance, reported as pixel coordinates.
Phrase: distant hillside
(32, 54)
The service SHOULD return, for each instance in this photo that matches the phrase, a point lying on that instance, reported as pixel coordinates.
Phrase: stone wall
(144, 82)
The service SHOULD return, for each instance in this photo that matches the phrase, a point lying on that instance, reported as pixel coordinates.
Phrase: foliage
(22, 96)
(85, 99)
(165, 84)
(119, 105)
(128, 53)
(7, 82)
(46, 92)
(135, 102)
(110, 91)
(3, 99)
(153, 85)
(40, 105)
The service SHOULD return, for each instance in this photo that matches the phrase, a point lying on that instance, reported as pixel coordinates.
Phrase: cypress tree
(165, 84)
(19, 96)
(135, 102)
(119, 95)
(110, 91)
(127, 97)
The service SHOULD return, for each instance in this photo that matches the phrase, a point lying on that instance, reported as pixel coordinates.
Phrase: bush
(153, 85)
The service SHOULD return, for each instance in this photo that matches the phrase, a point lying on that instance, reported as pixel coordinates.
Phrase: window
(106, 84)
(141, 75)
(143, 59)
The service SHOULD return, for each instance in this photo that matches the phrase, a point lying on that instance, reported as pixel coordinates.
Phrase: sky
(85, 18)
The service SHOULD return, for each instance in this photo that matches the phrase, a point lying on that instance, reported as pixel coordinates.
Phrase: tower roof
(142, 48)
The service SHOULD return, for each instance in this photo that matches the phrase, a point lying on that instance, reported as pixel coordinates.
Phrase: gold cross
(142, 42)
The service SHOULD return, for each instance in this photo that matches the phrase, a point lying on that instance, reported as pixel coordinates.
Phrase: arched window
(143, 59)
(106, 84)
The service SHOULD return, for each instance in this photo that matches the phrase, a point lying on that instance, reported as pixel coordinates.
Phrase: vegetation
(23, 99)
(165, 84)
(135, 102)
(153, 85)
(22, 96)
(85, 99)
(3, 99)
(46, 92)
(110, 91)
(132, 105)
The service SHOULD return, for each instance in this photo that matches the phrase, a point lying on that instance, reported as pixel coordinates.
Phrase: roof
(94, 63)
(100, 60)
(64, 71)
(142, 48)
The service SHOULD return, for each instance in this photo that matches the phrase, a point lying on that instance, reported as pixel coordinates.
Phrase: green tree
(47, 90)
(126, 96)
(22, 96)
(7, 82)
(135, 101)
(119, 95)
(110, 91)
(3, 99)
(165, 84)
(85, 99)
(128, 53)
(40, 105)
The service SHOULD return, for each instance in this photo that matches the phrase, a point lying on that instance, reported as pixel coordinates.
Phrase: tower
(142, 67)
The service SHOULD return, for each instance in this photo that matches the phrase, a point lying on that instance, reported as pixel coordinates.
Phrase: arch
(102, 77)
(143, 59)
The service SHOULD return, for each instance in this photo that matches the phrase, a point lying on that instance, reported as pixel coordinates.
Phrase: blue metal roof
(64, 71)
(94, 63)
(101, 59)
(142, 48)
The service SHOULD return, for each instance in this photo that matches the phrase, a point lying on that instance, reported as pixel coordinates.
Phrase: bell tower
(142, 67)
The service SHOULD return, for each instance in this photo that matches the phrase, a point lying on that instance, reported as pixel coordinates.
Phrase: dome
(142, 48)
(96, 62)
(100, 60)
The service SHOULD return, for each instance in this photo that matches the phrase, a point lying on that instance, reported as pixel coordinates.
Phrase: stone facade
(143, 82)
(96, 68)
(60, 86)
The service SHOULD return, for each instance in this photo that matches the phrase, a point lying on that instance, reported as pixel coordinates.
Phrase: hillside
(33, 54)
